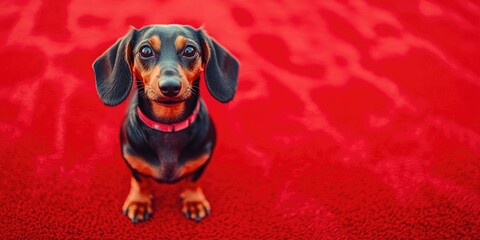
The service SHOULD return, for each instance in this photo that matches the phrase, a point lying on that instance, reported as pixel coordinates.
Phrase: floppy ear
(221, 70)
(113, 74)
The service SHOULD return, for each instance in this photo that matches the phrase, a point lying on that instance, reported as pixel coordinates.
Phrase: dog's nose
(170, 88)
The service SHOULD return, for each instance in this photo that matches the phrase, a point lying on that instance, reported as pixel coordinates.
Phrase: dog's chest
(167, 151)
(172, 157)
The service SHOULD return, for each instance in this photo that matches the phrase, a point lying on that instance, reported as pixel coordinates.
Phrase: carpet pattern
(353, 120)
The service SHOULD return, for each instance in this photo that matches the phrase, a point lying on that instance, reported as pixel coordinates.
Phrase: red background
(353, 119)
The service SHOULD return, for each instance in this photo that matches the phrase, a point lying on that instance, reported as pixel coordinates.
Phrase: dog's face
(165, 60)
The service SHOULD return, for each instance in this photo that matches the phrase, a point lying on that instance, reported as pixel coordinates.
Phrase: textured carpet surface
(353, 120)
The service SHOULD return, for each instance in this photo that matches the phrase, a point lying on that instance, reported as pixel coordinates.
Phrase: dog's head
(165, 60)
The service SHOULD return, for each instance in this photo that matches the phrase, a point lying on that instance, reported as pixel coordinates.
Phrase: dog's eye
(146, 52)
(189, 51)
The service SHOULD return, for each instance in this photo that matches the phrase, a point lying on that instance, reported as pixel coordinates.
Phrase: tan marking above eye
(180, 42)
(155, 42)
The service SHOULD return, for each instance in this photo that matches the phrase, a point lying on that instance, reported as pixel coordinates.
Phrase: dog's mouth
(167, 102)
(156, 97)
(170, 101)
(163, 100)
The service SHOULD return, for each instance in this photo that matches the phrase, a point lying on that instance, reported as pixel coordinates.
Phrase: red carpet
(353, 120)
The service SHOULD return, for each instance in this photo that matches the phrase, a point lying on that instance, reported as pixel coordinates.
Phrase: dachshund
(167, 133)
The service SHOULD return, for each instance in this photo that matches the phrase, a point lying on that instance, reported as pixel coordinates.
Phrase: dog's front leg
(194, 204)
(138, 205)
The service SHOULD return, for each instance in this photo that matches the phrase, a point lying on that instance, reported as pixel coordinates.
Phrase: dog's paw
(138, 208)
(194, 204)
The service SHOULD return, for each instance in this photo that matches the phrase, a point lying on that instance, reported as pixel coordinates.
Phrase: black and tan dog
(167, 133)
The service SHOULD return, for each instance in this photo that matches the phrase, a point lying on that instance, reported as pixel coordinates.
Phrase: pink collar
(174, 127)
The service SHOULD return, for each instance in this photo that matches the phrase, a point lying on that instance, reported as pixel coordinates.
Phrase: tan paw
(194, 204)
(136, 210)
